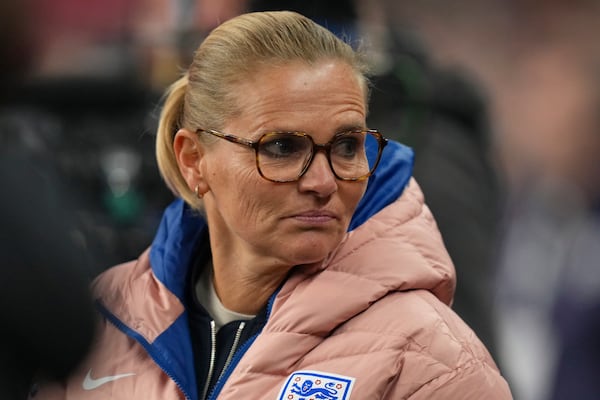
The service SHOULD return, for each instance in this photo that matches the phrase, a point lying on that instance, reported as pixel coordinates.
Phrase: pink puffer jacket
(371, 322)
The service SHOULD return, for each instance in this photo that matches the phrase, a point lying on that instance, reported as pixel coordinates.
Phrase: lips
(316, 216)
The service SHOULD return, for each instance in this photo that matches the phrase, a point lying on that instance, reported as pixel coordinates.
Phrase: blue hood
(387, 183)
(180, 228)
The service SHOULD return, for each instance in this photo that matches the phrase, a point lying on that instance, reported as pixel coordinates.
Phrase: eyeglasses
(286, 156)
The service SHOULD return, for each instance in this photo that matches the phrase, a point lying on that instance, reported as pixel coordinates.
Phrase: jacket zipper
(237, 356)
(235, 360)
(233, 349)
(213, 355)
(213, 350)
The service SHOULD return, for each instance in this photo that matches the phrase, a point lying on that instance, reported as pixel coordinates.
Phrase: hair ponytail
(171, 120)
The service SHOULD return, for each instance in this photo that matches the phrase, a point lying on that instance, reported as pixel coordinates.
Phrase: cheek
(246, 198)
(351, 194)
(228, 171)
(263, 203)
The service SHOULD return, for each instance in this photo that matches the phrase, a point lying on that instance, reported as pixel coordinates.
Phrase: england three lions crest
(315, 385)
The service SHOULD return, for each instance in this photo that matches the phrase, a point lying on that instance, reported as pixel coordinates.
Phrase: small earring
(197, 191)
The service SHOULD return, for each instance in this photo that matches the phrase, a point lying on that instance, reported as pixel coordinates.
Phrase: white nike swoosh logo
(90, 383)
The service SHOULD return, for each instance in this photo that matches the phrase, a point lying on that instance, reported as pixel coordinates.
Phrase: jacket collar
(387, 183)
(175, 244)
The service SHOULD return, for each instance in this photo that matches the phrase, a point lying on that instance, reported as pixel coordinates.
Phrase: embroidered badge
(315, 385)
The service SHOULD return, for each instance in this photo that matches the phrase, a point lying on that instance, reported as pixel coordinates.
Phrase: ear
(189, 152)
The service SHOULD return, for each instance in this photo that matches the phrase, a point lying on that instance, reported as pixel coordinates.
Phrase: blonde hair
(205, 95)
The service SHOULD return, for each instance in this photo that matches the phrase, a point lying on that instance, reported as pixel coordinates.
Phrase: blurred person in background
(264, 278)
(82, 97)
(45, 303)
(576, 314)
(548, 282)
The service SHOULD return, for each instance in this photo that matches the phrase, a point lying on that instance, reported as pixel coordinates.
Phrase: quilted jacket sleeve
(470, 382)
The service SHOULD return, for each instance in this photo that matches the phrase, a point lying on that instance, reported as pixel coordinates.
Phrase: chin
(309, 252)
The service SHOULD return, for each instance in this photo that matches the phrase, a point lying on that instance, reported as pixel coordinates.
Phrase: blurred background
(499, 98)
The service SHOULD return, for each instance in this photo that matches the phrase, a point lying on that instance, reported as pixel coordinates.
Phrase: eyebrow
(346, 128)
(340, 129)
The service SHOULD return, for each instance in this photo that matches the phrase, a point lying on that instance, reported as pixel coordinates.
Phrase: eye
(348, 145)
(283, 146)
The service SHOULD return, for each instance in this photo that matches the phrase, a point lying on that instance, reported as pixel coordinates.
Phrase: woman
(266, 280)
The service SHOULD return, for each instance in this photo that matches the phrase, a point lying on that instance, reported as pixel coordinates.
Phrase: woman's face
(296, 222)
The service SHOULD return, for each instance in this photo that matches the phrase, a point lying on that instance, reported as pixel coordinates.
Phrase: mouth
(316, 216)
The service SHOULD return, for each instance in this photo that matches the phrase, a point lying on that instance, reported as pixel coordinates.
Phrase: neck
(244, 289)
(244, 282)
(245, 276)
(245, 293)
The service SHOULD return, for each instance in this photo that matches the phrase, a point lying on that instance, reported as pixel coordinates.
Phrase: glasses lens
(354, 154)
(282, 156)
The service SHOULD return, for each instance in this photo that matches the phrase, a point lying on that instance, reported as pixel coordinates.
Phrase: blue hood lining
(386, 184)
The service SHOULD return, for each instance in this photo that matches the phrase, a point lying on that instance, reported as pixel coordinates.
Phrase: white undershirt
(207, 296)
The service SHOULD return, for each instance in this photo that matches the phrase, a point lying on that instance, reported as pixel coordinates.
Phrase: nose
(319, 177)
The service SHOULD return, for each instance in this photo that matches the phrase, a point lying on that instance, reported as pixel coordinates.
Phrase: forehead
(298, 96)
